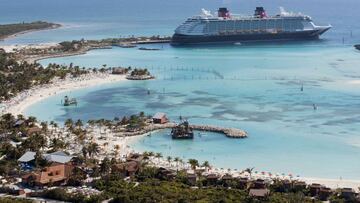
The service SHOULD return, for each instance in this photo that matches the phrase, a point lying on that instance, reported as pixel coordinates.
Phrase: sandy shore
(126, 143)
(56, 26)
(12, 48)
(21, 102)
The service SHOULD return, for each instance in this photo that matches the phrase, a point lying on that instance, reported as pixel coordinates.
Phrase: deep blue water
(94, 19)
(260, 92)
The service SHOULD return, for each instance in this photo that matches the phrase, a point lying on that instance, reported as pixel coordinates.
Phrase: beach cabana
(259, 193)
(324, 193)
(160, 118)
(314, 189)
(191, 179)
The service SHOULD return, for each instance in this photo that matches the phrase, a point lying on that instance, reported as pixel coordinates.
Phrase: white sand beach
(22, 101)
(12, 48)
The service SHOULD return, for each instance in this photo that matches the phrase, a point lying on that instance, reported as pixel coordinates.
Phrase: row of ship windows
(254, 25)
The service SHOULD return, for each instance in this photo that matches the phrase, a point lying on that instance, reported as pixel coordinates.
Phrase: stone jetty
(228, 132)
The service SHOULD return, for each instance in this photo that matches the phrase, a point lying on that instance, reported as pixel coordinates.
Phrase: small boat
(182, 131)
(148, 49)
(69, 101)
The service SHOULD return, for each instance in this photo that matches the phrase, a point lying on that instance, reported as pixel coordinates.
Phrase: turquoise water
(93, 19)
(255, 87)
(259, 92)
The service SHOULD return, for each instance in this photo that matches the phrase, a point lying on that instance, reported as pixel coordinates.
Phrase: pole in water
(302, 87)
(315, 107)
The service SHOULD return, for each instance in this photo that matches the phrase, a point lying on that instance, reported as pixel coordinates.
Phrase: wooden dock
(228, 132)
(152, 41)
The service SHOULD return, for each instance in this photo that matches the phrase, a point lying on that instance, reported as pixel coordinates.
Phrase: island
(8, 30)
(92, 162)
(140, 74)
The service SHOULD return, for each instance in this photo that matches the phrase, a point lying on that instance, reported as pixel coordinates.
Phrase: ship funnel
(223, 12)
(260, 12)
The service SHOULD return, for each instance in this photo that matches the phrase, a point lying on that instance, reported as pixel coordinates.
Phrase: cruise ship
(227, 27)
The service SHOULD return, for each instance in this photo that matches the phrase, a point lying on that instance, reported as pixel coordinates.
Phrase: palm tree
(193, 163)
(44, 126)
(151, 154)
(20, 117)
(84, 151)
(79, 123)
(182, 162)
(32, 119)
(105, 166)
(168, 158)
(158, 156)
(249, 170)
(177, 159)
(57, 144)
(93, 149)
(206, 165)
(69, 123)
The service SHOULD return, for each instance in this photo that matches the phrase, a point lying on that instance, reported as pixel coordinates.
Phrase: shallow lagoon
(260, 93)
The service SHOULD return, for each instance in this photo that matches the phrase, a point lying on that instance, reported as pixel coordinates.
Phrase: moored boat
(227, 27)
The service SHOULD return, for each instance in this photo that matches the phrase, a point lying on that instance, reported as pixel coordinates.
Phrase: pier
(228, 132)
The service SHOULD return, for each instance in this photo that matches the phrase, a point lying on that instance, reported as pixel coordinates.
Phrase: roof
(19, 122)
(28, 156)
(60, 153)
(159, 115)
(59, 157)
(33, 130)
(259, 192)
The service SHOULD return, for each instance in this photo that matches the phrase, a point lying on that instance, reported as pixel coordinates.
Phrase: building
(347, 193)
(299, 186)
(32, 130)
(129, 168)
(27, 160)
(314, 189)
(160, 118)
(259, 193)
(324, 193)
(191, 179)
(119, 71)
(212, 179)
(242, 183)
(58, 157)
(259, 184)
(55, 174)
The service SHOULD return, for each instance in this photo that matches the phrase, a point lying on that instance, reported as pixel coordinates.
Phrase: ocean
(255, 87)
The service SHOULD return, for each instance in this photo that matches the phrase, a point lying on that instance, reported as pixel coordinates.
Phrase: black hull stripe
(194, 39)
